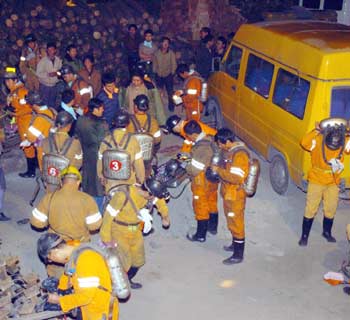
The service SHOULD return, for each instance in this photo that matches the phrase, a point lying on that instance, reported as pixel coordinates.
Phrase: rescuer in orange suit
(176, 125)
(42, 121)
(232, 173)
(21, 110)
(200, 158)
(86, 272)
(327, 149)
(191, 92)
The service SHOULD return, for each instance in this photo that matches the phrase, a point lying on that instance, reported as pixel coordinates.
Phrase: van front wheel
(279, 175)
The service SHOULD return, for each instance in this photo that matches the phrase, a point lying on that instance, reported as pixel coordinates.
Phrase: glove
(145, 216)
(24, 144)
(337, 166)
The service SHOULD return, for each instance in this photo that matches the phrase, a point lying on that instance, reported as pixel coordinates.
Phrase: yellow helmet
(72, 172)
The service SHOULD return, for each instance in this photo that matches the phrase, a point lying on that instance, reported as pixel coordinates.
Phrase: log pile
(18, 294)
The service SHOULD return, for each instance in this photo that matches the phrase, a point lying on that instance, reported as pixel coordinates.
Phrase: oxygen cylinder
(204, 92)
(120, 281)
(251, 182)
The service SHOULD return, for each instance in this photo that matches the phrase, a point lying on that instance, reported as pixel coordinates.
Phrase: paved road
(183, 280)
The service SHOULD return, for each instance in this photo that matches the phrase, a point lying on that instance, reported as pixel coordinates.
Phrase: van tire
(212, 115)
(279, 175)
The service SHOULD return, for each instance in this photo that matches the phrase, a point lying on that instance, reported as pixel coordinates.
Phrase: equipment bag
(55, 161)
(145, 140)
(116, 161)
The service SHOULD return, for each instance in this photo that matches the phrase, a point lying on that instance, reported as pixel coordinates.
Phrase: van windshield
(340, 103)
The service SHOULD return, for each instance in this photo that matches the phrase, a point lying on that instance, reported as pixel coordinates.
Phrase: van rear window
(259, 75)
(333, 4)
(233, 61)
(313, 4)
(291, 93)
(340, 103)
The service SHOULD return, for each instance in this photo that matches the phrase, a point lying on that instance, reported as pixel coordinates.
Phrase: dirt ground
(184, 280)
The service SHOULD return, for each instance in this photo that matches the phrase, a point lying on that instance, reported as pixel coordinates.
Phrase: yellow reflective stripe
(238, 171)
(34, 131)
(93, 218)
(157, 134)
(138, 155)
(113, 213)
(192, 91)
(88, 282)
(188, 142)
(197, 164)
(22, 101)
(78, 156)
(313, 144)
(39, 215)
(85, 90)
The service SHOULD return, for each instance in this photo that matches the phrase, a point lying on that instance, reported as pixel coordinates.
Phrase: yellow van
(277, 79)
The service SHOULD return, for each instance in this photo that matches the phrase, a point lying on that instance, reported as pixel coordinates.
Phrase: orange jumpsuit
(39, 129)
(233, 176)
(23, 114)
(193, 105)
(323, 183)
(92, 286)
(204, 196)
(83, 93)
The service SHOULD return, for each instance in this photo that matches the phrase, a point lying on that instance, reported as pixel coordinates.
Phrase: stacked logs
(19, 294)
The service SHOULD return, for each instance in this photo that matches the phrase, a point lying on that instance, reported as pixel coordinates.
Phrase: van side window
(333, 5)
(313, 4)
(291, 93)
(340, 103)
(259, 75)
(233, 61)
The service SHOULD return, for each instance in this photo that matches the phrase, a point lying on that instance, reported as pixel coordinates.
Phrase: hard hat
(141, 101)
(122, 119)
(30, 38)
(71, 172)
(10, 73)
(63, 119)
(335, 137)
(46, 243)
(66, 69)
(156, 188)
(172, 122)
(34, 98)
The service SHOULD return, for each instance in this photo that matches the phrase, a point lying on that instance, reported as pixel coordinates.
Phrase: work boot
(3, 217)
(131, 274)
(307, 223)
(200, 235)
(237, 256)
(213, 223)
(327, 229)
(346, 290)
(230, 247)
(30, 173)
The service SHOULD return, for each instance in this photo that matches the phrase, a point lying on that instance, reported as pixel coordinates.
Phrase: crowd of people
(95, 146)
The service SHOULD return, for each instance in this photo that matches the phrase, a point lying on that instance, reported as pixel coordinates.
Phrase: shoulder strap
(66, 146)
(52, 143)
(107, 143)
(148, 128)
(125, 139)
(136, 123)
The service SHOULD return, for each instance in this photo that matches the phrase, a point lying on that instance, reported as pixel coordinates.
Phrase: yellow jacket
(92, 287)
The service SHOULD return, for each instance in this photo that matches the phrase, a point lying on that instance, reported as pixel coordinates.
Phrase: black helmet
(30, 38)
(141, 101)
(171, 167)
(335, 137)
(66, 69)
(156, 188)
(63, 119)
(122, 119)
(46, 243)
(172, 122)
(34, 98)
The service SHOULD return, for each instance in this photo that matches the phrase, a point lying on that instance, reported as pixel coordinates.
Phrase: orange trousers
(204, 197)
(23, 123)
(234, 205)
(193, 110)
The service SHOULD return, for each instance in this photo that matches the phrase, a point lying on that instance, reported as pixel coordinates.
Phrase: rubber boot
(200, 235)
(230, 247)
(131, 274)
(327, 229)
(30, 173)
(213, 223)
(307, 223)
(238, 253)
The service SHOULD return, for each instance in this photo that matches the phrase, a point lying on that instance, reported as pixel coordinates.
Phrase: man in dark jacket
(91, 130)
(204, 57)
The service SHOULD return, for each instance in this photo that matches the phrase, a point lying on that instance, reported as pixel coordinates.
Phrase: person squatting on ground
(191, 92)
(120, 157)
(21, 110)
(204, 195)
(86, 273)
(68, 212)
(327, 147)
(91, 129)
(233, 171)
(141, 123)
